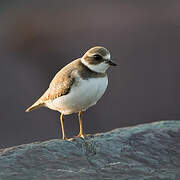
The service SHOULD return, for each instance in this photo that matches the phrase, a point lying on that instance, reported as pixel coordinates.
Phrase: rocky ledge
(148, 151)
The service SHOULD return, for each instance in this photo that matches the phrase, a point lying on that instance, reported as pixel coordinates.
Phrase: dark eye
(97, 57)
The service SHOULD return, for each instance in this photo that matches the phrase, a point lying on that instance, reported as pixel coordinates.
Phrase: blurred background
(37, 38)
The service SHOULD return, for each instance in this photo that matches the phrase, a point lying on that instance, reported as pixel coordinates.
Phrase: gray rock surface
(143, 152)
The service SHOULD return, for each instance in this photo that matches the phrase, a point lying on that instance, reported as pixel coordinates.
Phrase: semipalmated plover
(77, 86)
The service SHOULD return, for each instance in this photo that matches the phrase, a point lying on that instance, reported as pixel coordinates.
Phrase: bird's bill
(111, 63)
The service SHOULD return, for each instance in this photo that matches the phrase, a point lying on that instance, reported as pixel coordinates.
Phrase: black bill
(111, 63)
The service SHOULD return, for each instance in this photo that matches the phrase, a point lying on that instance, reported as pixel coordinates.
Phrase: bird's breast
(92, 89)
(83, 94)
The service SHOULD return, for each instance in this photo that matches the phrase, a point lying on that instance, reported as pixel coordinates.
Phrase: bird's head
(97, 59)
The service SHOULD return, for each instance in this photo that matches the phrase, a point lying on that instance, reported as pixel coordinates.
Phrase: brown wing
(62, 82)
(59, 86)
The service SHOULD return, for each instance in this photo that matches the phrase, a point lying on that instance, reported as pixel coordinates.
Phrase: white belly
(83, 95)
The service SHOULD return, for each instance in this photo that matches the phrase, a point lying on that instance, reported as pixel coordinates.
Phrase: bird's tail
(40, 102)
(34, 106)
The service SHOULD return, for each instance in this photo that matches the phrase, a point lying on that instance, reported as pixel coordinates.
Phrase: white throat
(100, 68)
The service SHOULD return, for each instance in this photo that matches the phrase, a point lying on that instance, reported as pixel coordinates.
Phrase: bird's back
(60, 85)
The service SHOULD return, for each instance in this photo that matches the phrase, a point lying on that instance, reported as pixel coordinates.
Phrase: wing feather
(59, 86)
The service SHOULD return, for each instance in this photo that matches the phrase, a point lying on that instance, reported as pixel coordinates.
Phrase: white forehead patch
(108, 57)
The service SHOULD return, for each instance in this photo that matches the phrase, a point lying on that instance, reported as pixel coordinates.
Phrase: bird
(77, 86)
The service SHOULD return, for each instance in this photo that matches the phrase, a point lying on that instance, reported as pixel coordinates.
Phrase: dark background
(37, 38)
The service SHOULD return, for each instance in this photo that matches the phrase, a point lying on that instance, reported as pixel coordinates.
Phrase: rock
(148, 151)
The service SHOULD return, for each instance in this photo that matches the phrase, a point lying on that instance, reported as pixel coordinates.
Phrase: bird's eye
(97, 57)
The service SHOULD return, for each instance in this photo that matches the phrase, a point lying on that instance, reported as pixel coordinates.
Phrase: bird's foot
(81, 135)
(64, 138)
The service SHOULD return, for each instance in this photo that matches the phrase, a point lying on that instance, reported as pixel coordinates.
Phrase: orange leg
(62, 127)
(80, 125)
